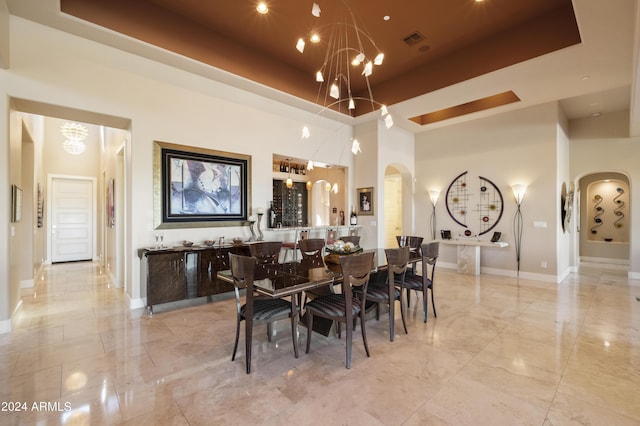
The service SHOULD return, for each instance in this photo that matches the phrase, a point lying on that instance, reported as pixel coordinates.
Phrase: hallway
(501, 352)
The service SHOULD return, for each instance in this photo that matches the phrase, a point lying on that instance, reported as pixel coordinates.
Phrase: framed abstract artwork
(198, 187)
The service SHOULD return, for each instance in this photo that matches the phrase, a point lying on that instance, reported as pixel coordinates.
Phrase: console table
(178, 273)
(468, 253)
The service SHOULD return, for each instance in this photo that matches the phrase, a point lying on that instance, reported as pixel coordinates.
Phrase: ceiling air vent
(413, 38)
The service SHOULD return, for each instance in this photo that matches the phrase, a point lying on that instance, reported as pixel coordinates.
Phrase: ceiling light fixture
(75, 134)
(262, 7)
(348, 45)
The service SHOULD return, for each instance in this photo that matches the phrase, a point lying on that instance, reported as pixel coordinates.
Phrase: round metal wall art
(460, 201)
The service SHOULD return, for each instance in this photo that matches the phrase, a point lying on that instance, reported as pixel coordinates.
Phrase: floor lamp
(433, 196)
(518, 192)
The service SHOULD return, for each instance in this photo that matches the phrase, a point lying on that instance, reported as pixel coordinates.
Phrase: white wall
(514, 147)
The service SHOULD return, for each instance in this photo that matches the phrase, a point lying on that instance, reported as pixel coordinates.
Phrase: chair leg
(433, 303)
(377, 312)
(235, 346)
(408, 298)
(424, 304)
(364, 334)
(248, 324)
(269, 331)
(392, 316)
(349, 338)
(402, 314)
(339, 329)
(309, 330)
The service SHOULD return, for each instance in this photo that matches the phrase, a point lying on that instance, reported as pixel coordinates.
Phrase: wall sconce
(434, 194)
(518, 192)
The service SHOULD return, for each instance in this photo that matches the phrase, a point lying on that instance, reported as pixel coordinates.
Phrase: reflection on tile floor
(502, 351)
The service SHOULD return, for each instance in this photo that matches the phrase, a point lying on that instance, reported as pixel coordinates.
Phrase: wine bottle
(271, 216)
(354, 217)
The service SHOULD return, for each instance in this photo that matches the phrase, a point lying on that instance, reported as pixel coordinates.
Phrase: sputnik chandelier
(346, 58)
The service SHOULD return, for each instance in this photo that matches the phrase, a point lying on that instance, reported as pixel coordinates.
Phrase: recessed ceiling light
(586, 77)
(386, 17)
(262, 7)
(315, 38)
(596, 114)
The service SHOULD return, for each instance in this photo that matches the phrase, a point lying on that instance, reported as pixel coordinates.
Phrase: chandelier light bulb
(378, 60)
(289, 183)
(334, 92)
(388, 121)
(352, 105)
(355, 147)
(368, 69)
(315, 10)
(327, 186)
(310, 165)
(300, 45)
(383, 110)
(319, 77)
(305, 133)
(335, 188)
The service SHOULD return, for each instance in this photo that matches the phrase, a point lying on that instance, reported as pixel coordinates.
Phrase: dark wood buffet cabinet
(179, 273)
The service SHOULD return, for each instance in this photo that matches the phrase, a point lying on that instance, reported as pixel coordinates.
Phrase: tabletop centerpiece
(340, 248)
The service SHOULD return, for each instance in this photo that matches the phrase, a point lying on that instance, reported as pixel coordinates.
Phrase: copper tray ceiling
(453, 40)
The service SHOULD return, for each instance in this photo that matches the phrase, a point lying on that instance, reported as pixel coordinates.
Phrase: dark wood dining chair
(355, 239)
(311, 251)
(311, 248)
(345, 307)
(255, 310)
(388, 291)
(266, 251)
(292, 246)
(413, 242)
(424, 282)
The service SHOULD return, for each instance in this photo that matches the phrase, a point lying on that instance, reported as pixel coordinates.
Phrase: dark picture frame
(199, 187)
(365, 201)
(16, 203)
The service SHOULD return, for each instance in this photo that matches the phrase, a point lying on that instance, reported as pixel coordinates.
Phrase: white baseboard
(5, 326)
(137, 303)
(604, 260)
(27, 283)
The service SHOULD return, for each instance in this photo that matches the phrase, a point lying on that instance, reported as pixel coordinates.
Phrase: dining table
(291, 279)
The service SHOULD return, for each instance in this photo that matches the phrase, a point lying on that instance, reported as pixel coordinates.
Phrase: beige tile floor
(501, 352)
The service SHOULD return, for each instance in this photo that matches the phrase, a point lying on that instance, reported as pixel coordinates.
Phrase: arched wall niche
(604, 225)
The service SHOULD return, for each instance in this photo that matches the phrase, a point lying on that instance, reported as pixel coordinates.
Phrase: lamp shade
(518, 192)
(434, 194)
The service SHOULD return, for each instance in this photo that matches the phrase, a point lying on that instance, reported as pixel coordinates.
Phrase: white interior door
(72, 219)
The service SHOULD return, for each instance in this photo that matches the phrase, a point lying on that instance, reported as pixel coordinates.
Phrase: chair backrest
(413, 242)
(397, 260)
(353, 232)
(355, 239)
(311, 248)
(356, 270)
(243, 272)
(304, 235)
(332, 235)
(266, 251)
(430, 252)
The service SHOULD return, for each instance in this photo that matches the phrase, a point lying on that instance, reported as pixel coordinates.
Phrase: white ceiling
(597, 76)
